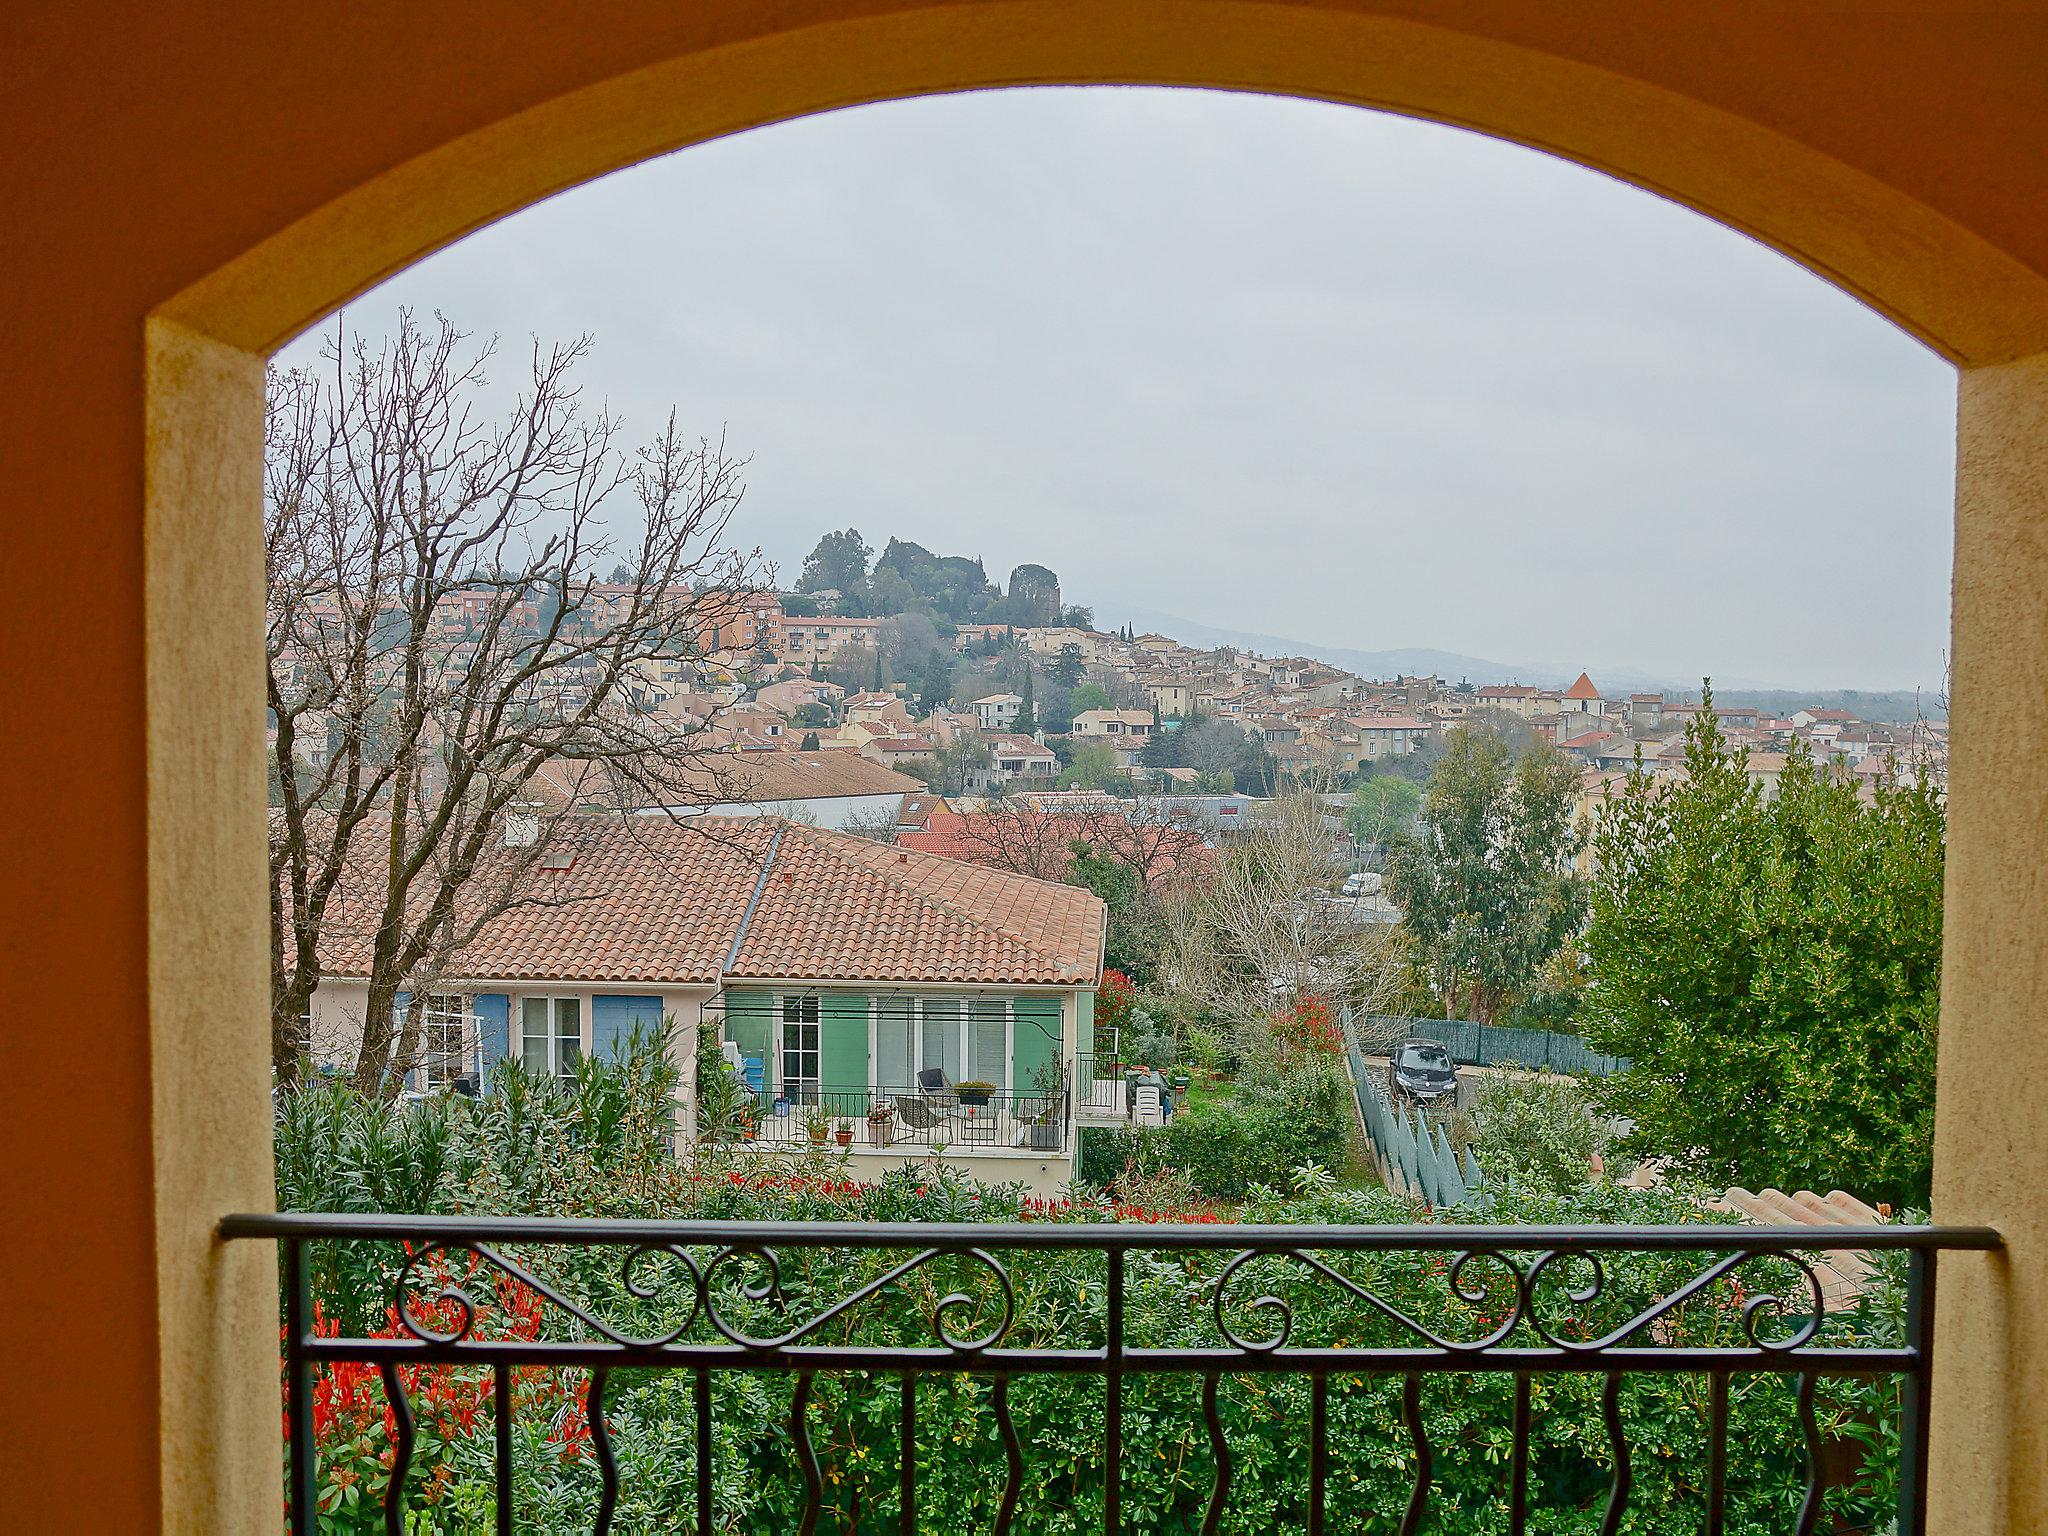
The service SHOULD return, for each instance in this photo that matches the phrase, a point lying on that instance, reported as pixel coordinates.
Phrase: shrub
(1308, 1028)
(1537, 1129)
(1114, 1000)
(1278, 1122)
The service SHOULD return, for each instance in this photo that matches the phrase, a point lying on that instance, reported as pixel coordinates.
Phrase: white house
(999, 711)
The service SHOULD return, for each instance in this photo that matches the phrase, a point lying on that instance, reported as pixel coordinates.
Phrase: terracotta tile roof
(801, 776)
(1582, 689)
(840, 907)
(653, 901)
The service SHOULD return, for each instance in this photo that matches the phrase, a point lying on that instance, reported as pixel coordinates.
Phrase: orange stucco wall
(242, 167)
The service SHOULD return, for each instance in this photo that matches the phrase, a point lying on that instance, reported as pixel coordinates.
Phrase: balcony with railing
(914, 1119)
(1349, 1341)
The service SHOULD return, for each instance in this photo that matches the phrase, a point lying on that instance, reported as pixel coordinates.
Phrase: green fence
(1473, 1044)
(1414, 1157)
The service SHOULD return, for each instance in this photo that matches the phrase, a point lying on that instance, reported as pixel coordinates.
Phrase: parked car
(1421, 1070)
(1365, 883)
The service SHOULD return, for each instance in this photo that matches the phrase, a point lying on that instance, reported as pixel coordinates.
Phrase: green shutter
(843, 1040)
(1035, 1040)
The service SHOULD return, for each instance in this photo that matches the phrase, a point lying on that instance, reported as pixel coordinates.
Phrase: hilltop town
(998, 707)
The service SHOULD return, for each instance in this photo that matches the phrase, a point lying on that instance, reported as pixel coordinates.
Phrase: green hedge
(1300, 1116)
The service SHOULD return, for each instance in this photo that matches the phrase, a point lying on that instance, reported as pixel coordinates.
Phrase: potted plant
(817, 1125)
(881, 1126)
(975, 1093)
(1042, 1128)
(843, 1133)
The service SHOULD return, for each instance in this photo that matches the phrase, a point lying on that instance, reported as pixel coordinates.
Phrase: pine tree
(878, 669)
(1027, 722)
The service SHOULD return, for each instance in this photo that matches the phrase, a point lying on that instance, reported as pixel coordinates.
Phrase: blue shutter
(612, 1020)
(493, 1012)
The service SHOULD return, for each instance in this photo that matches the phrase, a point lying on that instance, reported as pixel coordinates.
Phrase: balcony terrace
(1529, 1303)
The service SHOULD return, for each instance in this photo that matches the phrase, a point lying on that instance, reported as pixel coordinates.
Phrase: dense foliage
(1535, 1129)
(1282, 1117)
(1773, 966)
(586, 1148)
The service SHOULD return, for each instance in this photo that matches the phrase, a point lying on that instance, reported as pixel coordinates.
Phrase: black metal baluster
(501, 1428)
(1518, 1472)
(1112, 1483)
(298, 1317)
(906, 1432)
(1617, 1494)
(806, 1456)
(1809, 1507)
(1717, 1453)
(1913, 1393)
(705, 1513)
(1318, 1451)
(1219, 1492)
(1411, 1415)
(601, 1442)
(1014, 1450)
(401, 1450)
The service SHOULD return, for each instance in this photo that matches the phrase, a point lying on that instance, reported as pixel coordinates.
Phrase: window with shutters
(968, 1039)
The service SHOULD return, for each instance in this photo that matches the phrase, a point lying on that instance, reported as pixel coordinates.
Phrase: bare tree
(1265, 930)
(1157, 844)
(437, 640)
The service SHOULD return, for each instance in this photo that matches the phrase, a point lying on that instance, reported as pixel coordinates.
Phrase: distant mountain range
(1411, 660)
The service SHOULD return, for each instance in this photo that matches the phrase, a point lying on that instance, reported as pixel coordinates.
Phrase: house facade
(924, 1006)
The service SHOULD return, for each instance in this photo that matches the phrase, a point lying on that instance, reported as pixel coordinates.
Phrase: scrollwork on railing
(1396, 1304)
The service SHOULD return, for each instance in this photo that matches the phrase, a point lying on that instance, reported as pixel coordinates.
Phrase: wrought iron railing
(1099, 1087)
(1529, 1302)
(872, 1119)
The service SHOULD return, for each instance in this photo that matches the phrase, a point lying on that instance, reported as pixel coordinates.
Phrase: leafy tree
(964, 755)
(1093, 767)
(1089, 696)
(809, 743)
(1486, 885)
(812, 714)
(1137, 921)
(854, 668)
(935, 687)
(839, 562)
(795, 606)
(1381, 809)
(1773, 968)
(1034, 596)
(1067, 665)
(1078, 617)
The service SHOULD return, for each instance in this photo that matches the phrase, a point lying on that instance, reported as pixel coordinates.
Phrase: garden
(599, 1146)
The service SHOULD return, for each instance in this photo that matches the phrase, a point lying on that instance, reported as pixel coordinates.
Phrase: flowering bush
(1114, 1000)
(1309, 1028)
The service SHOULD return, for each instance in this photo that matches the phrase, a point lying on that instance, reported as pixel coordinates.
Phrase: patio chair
(922, 1116)
(937, 1088)
(1147, 1110)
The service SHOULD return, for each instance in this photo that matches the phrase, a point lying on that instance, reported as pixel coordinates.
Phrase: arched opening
(1724, 115)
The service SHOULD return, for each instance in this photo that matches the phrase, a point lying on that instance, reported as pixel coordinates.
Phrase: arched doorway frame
(206, 346)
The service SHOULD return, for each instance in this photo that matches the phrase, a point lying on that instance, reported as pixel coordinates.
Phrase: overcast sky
(1272, 365)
